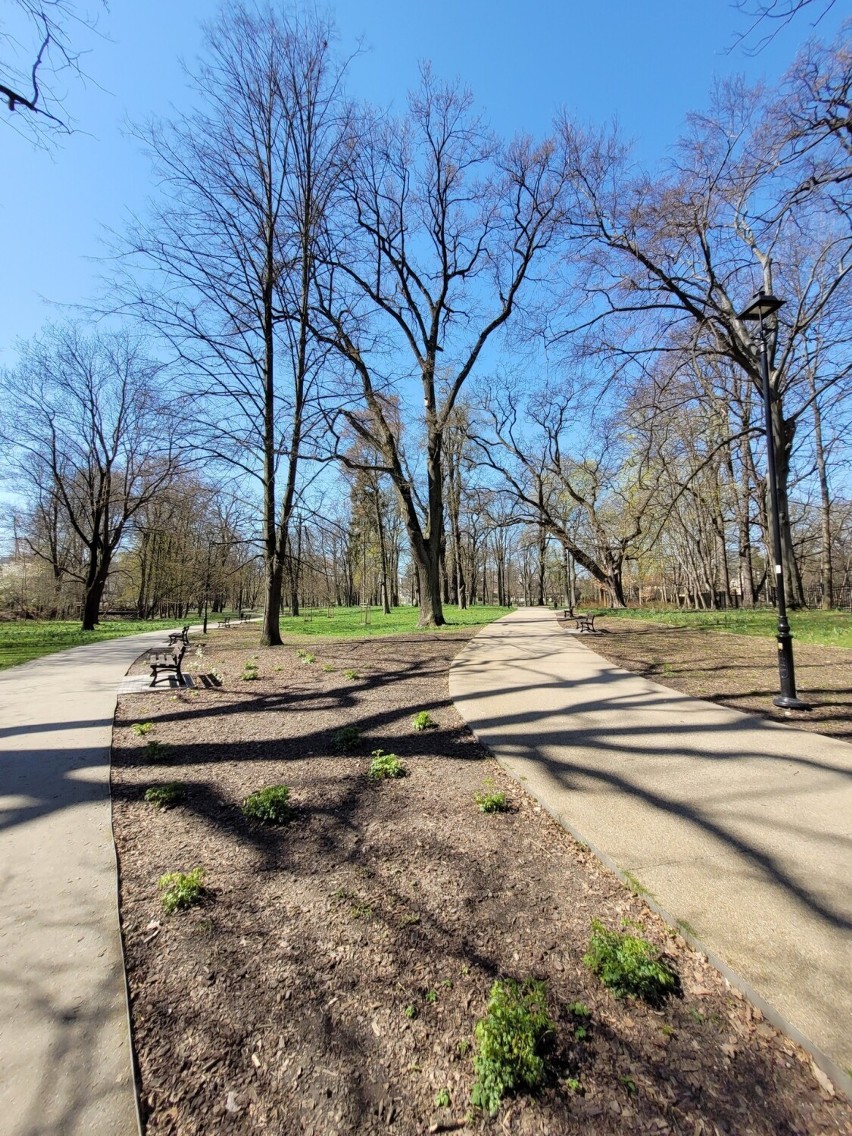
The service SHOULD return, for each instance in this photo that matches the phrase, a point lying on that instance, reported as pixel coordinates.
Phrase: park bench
(585, 623)
(181, 636)
(225, 622)
(168, 661)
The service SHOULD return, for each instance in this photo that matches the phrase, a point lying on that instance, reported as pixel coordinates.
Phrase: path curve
(740, 829)
(65, 1050)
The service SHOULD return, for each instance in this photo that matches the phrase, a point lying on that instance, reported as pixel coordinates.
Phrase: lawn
(32, 638)
(348, 622)
(829, 628)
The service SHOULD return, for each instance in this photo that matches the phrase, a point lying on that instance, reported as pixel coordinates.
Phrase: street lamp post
(763, 305)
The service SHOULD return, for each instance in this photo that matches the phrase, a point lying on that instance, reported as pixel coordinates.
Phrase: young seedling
(347, 738)
(306, 657)
(249, 671)
(422, 720)
(157, 751)
(410, 1012)
(269, 805)
(352, 674)
(511, 1041)
(629, 965)
(442, 1098)
(140, 729)
(385, 765)
(329, 668)
(492, 802)
(431, 997)
(165, 796)
(181, 890)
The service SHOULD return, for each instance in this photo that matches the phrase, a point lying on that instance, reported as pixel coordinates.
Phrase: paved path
(738, 827)
(65, 1058)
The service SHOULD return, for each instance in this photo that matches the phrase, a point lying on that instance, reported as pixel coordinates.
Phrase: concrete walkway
(65, 1057)
(739, 828)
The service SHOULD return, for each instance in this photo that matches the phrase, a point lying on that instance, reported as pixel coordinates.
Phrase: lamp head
(763, 305)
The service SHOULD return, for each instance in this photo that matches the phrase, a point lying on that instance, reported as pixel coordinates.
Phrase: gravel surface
(331, 979)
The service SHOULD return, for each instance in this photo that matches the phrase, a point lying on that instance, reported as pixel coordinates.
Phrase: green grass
(829, 628)
(348, 622)
(27, 639)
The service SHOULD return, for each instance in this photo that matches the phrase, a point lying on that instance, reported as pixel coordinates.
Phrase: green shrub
(629, 965)
(181, 889)
(511, 1042)
(249, 671)
(422, 720)
(492, 802)
(269, 805)
(347, 738)
(158, 751)
(165, 795)
(140, 729)
(385, 765)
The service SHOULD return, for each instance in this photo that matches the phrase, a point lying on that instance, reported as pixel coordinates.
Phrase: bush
(165, 795)
(629, 965)
(511, 1042)
(269, 805)
(385, 765)
(422, 720)
(181, 889)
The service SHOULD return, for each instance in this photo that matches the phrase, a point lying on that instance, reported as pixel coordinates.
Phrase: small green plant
(352, 674)
(181, 889)
(385, 765)
(329, 668)
(511, 1042)
(629, 1084)
(422, 720)
(140, 729)
(463, 1047)
(347, 738)
(442, 1098)
(409, 920)
(410, 1012)
(269, 805)
(629, 965)
(492, 802)
(447, 983)
(249, 671)
(572, 1084)
(157, 751)
(635, 885)
(165, 796)
(361, 911)
(306, 657)
(431, 997)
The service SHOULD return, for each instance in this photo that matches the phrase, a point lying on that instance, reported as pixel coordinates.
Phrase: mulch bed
(740, 671)
(331, 981)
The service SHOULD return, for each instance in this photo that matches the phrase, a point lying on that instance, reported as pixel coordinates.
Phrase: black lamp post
(763, 305)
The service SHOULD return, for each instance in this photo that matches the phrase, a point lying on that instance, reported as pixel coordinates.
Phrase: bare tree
(246, 181)
(444, 227)
(91, 438)
(673, 258)
(38, 38)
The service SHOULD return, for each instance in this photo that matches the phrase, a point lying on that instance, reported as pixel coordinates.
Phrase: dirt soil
(740, 671)
(331, 981)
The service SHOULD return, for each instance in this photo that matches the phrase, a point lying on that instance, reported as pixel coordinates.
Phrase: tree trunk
(270, 635)
(825, 570)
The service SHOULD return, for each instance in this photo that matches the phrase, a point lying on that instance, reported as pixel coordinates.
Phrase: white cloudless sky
(643, 62)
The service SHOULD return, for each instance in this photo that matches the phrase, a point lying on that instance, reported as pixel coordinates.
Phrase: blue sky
(644, 63)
